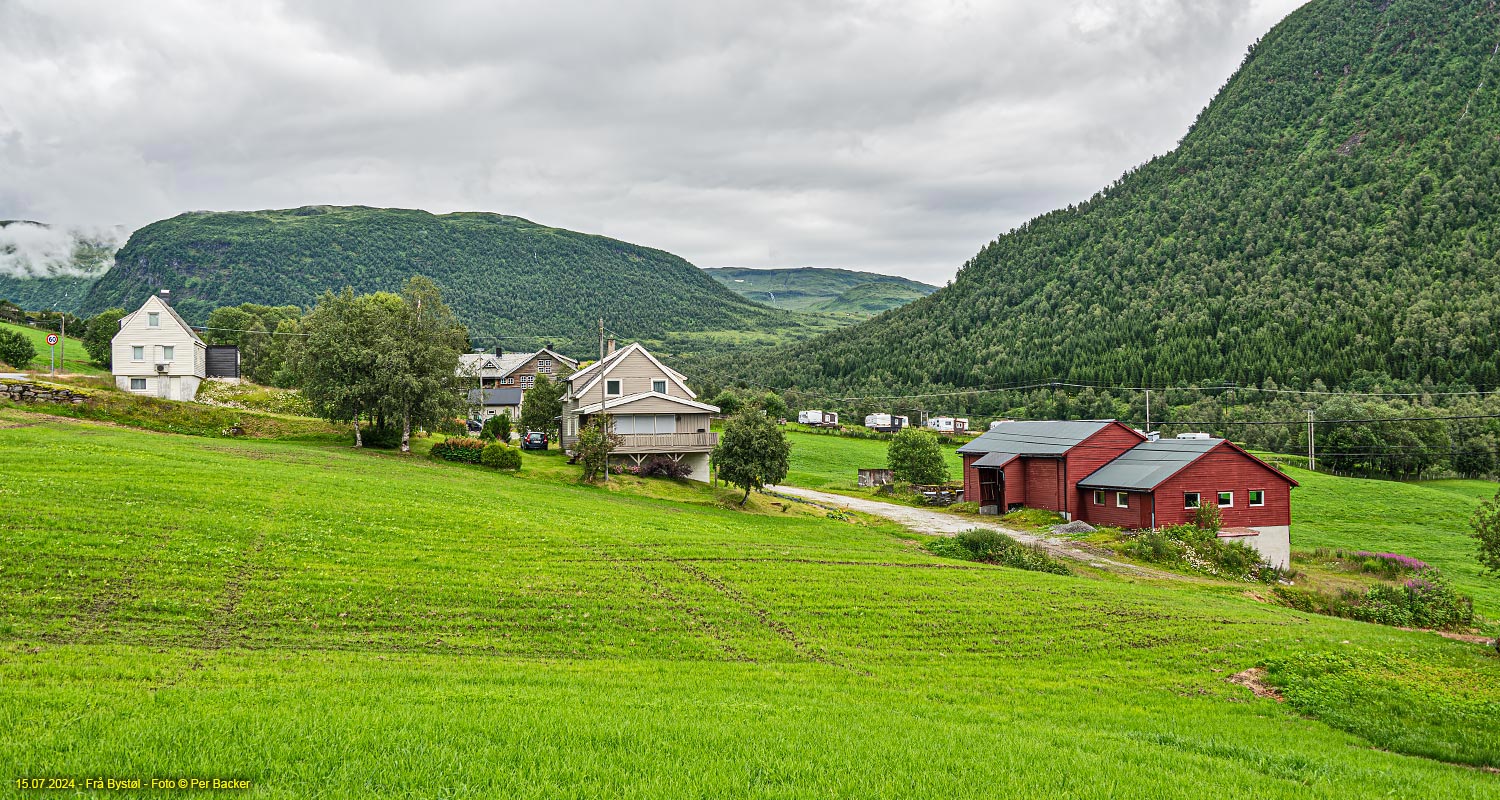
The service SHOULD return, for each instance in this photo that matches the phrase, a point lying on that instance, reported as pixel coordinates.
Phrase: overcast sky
(898, 137)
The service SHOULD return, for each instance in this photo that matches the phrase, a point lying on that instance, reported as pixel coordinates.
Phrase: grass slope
(822, 461)
(837, 291)
(351, 624)
(76, 358)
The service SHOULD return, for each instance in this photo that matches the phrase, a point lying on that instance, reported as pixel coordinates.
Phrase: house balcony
(631, 443)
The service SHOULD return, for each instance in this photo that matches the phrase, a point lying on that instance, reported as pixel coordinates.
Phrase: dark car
(475, 426)
(534, 440)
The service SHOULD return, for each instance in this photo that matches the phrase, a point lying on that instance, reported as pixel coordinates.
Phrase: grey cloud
(892, 136)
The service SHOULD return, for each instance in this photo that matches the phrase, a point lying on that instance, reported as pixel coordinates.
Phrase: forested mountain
(837, 291)
(48, 268)
(1330, 216)
(515, 283)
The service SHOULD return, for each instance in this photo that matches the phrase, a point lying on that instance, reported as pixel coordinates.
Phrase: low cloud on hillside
(29, 250)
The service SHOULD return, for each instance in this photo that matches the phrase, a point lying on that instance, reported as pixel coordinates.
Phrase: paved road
(942, 523)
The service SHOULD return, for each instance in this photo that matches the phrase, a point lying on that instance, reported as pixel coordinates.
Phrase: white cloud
(30, 250)
(894, 136)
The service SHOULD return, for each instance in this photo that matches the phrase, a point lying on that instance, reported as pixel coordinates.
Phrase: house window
(1098, 497)
(528, 381)
(1122, 499)
(612, 388)
(1190, 500)
(660, 387)
(1257, 497)
(1226, 499)
(153, 320)
(544, 366)
(167, 351)
(138, 353)
(137, 384)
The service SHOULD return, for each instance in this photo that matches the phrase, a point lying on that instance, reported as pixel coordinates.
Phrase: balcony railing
(658, 442)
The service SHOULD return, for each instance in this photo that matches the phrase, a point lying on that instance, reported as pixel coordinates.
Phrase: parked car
(475, 426)
(534, 440)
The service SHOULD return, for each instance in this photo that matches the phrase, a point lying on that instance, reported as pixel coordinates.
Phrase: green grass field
(76, 359)
(832, 463)
(348, 624)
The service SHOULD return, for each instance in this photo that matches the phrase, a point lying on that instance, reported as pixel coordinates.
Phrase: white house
(156, 353)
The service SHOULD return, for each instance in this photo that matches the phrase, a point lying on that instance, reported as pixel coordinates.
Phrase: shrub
(1157, 547)
(498, 455)
(450, 426)
(462, 449)
(1201, 550)
(993, 547)
(381, 438)
(16, 350)
(497, 427)
(915, 456)
(1426, 601)
(663, 467)
(1208, 517)
(1485, 528)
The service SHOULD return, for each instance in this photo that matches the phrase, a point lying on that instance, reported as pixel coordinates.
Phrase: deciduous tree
(99, 335)
(752, 452)
(915, 456)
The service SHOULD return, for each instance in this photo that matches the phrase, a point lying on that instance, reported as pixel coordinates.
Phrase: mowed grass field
(333, 623)
(832, 463)
(75, 359)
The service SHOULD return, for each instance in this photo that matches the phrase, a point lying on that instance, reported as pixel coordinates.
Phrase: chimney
(609, 347)
(499, 351)
(165, 295)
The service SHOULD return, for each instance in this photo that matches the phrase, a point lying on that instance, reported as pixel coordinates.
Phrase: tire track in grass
(96, 617)
(216, 633)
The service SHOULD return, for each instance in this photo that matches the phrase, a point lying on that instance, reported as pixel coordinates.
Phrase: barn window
(1098, 497)
(660, 387)
(612, 388)
(137, 384)
(1257, 497)
(1122, 499)
(138, 353)
(528, 381)
(1226, 499)
(153, 320)
(1190, 500)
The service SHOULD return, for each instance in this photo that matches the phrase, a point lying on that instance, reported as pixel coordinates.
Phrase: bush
(450, 426)
(1208, 517)
(497, 427)
(1426, 601)
(1202, 550)
(663, 467)
(381, 438)
(1156, 547)
(462, 449)
(915, 456)
(16, 350)
(993, 547)
(498, 455)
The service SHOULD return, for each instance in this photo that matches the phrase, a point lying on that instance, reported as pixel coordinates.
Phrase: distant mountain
(46, 267)
(1331, 216)
(515, 283)
(822, 290)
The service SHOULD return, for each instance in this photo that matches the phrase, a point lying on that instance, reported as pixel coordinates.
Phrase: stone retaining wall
(36, 392)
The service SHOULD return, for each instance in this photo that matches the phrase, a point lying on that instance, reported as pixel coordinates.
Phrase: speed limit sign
(52, 338)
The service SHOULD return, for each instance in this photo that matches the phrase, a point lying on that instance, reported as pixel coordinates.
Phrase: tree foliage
(915, 456)
(543, 405)
(16, 350)
(99, 335)
(596, 441)
(497, 428)
(752, 452)
(1486, 532)
(263, 334)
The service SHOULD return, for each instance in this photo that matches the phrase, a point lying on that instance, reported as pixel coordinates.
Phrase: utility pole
(1312, 452)
(601, 338)
(1148, 412)
(62, 341)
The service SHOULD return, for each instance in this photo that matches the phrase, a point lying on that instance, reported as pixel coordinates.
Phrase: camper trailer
(818, 419)
(885, 423)
(949, 424)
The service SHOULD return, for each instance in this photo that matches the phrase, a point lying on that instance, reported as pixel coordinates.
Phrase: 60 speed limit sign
(52, 338)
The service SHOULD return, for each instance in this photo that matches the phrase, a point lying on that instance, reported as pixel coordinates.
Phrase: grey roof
(495, 397)
(1035, 438)
(994, 459)
(1146, 465)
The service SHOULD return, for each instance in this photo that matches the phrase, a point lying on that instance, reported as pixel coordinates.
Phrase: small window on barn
(138, 353)
(153, 320)
(1122, 499)
(137, 384)
(1226, 499)
(660, 387)
(1098, 497)
(1190, 500)
(1257, 497)
(612, 388)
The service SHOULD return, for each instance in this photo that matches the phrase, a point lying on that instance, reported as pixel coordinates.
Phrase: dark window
(1191, 500)
(1098, 497)
(1257, 497)
(1122, 499)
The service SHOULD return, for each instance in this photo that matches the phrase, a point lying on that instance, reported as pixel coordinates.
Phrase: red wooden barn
(1106, 473)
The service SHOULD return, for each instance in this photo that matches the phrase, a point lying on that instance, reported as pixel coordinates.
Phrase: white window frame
(137, 352)
(1220, 498)
(168, 353)
(135, 388)
(618, 387)
(1122, 499)
(1262, 493)
(528, 381)
(1196, 502)
(655, 382)
(153, 319)
(1098, 497)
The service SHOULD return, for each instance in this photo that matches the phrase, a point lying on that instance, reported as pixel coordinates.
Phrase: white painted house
(156, 353)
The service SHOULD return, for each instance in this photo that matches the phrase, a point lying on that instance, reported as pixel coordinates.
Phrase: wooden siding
(188, 354)
(635, 373)
(1043, 483)
(1137, 515)
(1225, 468)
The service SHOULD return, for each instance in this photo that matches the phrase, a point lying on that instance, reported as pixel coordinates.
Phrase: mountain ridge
(821, 289)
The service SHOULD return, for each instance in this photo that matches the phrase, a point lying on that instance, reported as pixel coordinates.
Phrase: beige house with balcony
(654, 411)
(156, 353)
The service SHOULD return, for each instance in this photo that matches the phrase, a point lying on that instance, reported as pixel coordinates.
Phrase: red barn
(1107, 473)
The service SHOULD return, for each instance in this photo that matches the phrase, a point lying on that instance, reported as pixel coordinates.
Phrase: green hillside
(49, 269)
(317, 620)
(1330, 216)
(75, 355)
(513, 282)
(835, 291)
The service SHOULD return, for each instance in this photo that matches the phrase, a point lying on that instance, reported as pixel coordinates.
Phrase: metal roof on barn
(1146, 465)
(1049, 438)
